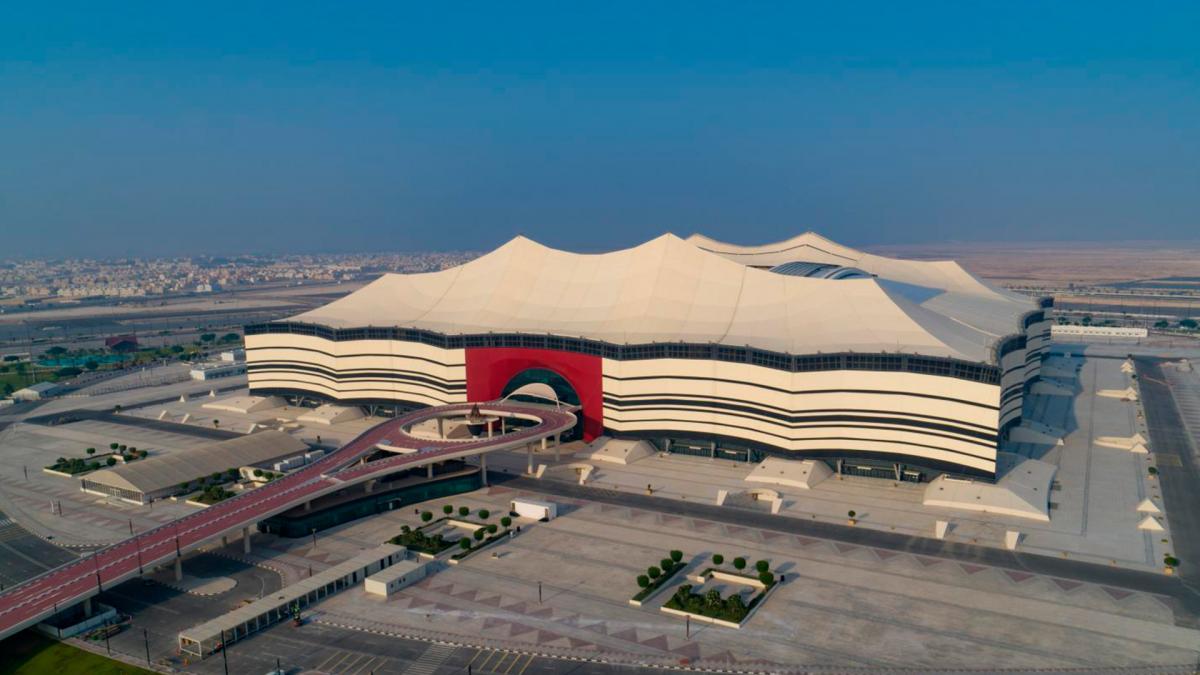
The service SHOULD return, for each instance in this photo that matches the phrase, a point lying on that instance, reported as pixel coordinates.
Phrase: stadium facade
(803, 348)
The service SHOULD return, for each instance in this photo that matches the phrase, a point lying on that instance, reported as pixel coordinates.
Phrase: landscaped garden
(425, 540)
(213, 494)
(732, 608)
(117, 453)
(657, 576)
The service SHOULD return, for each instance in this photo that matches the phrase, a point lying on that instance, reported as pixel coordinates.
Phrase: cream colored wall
(737, 383)
(387, 355)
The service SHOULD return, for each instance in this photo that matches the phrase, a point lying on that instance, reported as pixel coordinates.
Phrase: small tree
(258, 473)
(426, 516)
(1153, 471)
(654, 572)
(215, 476)
(492, 528)
(484, 514)
(464, 544)
(447, 509)
(464, 511)
(666, 564)
(112, 446)
(111, 460)
(506, 521)
(851, 513)
(761, 566)
(739, 563)
(1170, 561)
(91, 451)
(676, 555)
(766, 577)
(643, 580)
(216, 424)
(479, 534)
(184, 486)
(718, 559)
(121, 447)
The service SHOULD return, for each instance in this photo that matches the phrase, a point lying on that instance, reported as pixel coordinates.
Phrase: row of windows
(1008, 345)
(926, 365)
(1034, 317)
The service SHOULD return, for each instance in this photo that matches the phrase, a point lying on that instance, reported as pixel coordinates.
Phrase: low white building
(36, 392)
(233, 355)
(400, 574)
(214, 371)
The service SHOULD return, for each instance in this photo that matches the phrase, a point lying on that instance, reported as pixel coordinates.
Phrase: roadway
(1177, 471)
(34, 600)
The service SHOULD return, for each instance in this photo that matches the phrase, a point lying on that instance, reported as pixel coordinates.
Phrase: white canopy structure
(670, 290)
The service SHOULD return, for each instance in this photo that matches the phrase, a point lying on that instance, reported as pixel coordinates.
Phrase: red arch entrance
(490, 368)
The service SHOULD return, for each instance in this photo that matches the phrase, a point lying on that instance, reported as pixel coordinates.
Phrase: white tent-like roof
(942, 286)
(671, 290)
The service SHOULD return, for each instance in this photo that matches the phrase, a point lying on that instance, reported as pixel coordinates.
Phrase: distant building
(217, 370)
(234, 355)
(36, 392)
(121, 343)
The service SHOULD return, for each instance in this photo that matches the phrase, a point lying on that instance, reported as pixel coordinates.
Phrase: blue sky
(166, 128)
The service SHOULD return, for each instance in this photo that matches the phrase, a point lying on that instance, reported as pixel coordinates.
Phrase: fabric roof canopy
(671, 290)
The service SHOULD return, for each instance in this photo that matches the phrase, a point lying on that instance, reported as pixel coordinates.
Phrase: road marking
(431, 660)
(477, 653)
(514, 662)
(328, 664)
(345, 666)
(369, 663)
(483, 663)
(527, 662)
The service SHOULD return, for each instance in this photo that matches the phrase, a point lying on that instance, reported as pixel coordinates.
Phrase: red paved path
(24, 604)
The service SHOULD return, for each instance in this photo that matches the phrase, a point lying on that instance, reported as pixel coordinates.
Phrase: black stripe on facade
(381, 376)
(883, 392)
(803, 418)
(362, 355)
(912, 363)
(666, 431)
(787, 411)
(337, 395)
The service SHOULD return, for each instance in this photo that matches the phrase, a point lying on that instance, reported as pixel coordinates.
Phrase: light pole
(146, 637)
(224, 651)
(539, 592)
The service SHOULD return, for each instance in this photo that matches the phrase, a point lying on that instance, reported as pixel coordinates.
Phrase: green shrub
(111, 460)
(91, 451)
(654, 572)
(718, 559)
(643, 580)
(112, 446)
(479, 534)
(666, 564)
(464, 511)
(1170, 561)
(506, 521)
(258, 473)
(484, 514)
(464, 544)
(426, 516)
(851, 513)
(492, 528)
(676, 555)
(762, 566)
(447, 509)
(739, 563)
(766, 577)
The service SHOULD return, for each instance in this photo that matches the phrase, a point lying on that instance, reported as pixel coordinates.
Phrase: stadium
(803, 348)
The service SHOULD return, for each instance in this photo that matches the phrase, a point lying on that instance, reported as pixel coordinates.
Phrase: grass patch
(30, 653)
(214, 494)
(711, 604)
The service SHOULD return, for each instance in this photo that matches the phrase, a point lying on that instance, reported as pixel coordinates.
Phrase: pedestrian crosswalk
(351, 663)
(500, 663)
(430, 661)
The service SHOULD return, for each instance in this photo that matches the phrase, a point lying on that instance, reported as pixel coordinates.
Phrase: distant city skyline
(152, 130)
